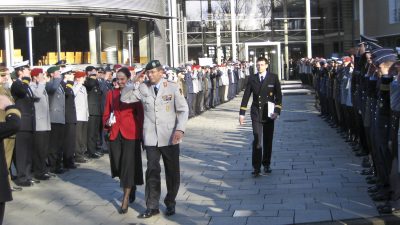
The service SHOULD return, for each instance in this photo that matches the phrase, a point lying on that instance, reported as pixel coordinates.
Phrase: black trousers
(94, 126)
(23, 155)
(41, 145)
(262, 150)
(190, 100)
(2, 208)
(170, 155)
(56, 143)
(68, 146)
(81, 138)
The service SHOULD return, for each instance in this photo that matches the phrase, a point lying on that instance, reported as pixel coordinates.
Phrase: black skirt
(126, 161)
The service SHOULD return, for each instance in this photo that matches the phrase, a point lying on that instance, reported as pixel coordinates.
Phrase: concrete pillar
(286, 34)
(185, 41)
(174, 31)
(233, 30)
(92, 40)
(219, 48)
(361, 15)
(9, 41)
(308, 29)
(58, 38)
(180, 39)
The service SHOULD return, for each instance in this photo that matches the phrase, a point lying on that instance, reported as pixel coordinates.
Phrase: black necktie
(155, 90)
(262, 79)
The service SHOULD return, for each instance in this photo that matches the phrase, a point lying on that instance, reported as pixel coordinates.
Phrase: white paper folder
(271, 108)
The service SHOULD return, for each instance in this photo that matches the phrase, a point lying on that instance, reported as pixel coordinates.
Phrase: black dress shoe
(93, 156)
(122, 210)
(149, 213)
(81, 160)
(170, 211)
(44, 176)
(25, 183)
(267, 169)
(35, 181)
(256, 173)
(59, 171)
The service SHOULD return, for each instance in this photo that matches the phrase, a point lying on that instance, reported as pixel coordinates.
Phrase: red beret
(79, 74)
(117, 66)
(36, 71)
(131, 68)
(346, 59)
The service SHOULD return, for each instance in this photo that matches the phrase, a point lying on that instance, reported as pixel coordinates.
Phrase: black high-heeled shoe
(122, 210)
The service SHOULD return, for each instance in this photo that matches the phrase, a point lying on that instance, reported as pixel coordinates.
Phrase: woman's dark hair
(125, 71)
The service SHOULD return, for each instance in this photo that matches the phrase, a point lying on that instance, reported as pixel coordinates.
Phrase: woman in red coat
(125, 134)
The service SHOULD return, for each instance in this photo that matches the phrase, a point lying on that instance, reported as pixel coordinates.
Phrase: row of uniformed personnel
(360, 95)
(61, 116)
(207, 87)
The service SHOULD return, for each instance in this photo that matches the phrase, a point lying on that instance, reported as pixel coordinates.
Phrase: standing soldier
(24, 100)
(70, 121)
(82, 116)
(266, 90)
(95, 112)
(56, 94)
(42, 133)
(190, 92)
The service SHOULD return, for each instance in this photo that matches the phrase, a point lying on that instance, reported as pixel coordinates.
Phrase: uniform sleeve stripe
(278, 106)
(243, 108)
(13, 111)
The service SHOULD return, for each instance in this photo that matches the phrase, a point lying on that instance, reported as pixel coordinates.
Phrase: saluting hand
(140, 78)
(177, 138)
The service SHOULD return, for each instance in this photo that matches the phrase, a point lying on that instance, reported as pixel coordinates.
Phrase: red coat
(129, 117)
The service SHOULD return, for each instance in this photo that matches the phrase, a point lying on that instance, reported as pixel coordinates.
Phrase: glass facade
(263, 20)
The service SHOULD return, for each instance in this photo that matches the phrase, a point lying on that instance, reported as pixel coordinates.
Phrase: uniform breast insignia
(167, 108)
(270, 94)
(167, 98)
(270, 85)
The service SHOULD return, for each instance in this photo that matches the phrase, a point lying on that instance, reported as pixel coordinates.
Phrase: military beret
(53, 69)
(100, 69)
(153, 64)
(90, 68)
(36, 71)
(79, 74)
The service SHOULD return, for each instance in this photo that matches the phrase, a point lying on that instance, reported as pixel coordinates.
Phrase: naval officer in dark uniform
(265, 87)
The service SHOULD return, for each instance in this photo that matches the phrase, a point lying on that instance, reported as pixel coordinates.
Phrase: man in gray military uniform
(165, 115)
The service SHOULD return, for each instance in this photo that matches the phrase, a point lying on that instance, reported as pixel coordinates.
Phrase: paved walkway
(315, 178)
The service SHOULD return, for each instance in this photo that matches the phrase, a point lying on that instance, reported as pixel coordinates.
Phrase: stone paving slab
(315, 178)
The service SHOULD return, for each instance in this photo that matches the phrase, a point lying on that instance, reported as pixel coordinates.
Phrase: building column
(308, 29)
(285, 27)
(180, 40)
(361, 15)
(233, 30)
(219, 48)
(92, 40)
(174, 36)
(9, 41)
(98, 40)
(185, 41)
(58, 38)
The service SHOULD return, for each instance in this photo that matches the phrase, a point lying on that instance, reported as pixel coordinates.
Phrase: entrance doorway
(269, 50)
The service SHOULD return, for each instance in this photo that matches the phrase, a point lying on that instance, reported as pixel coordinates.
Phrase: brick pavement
(315, 178)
